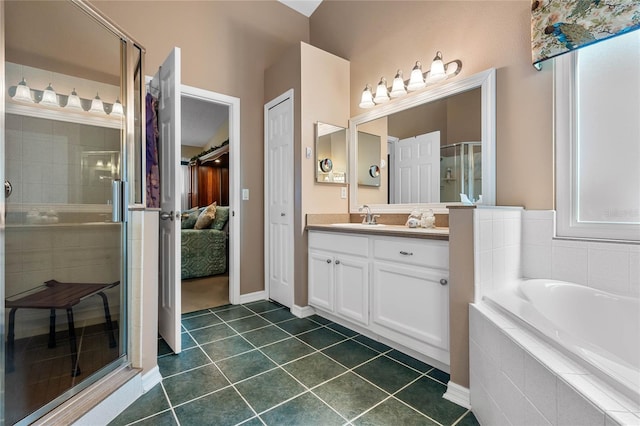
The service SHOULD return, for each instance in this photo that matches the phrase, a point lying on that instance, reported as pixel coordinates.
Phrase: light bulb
(437, 72)
(367, 98)
(416, 81)
(116, 109)
(23, 93)
(382, 93)
(73, 102)
(398, 89)
(49, 97)
(96, 105)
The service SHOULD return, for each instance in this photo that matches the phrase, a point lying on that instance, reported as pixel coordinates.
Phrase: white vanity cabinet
(339, 275)
(410, 293)
(396, 287)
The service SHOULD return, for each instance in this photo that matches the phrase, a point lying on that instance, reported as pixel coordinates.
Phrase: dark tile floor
(258, 364)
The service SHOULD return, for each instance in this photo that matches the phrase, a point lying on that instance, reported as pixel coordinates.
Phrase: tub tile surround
(516, 378)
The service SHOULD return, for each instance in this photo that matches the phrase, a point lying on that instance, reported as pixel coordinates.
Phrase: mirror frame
(486, 81)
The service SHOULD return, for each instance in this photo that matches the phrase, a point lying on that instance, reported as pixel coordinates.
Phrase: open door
(167, 79)
(417, 169)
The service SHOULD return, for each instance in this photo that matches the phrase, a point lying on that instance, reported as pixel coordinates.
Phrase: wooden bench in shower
(56, 295)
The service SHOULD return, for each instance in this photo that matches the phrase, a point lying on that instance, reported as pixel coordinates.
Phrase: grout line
(460, 418)
(280, 366)
(175, 416)
(135, 422)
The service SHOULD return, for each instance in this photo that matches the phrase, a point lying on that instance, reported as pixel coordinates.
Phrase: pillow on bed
(206, 217)
(222, 216)
(189, 218)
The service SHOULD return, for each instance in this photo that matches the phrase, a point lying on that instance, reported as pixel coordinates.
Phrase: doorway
(209, 158)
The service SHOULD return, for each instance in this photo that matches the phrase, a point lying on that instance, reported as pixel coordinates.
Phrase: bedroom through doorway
(205, 203)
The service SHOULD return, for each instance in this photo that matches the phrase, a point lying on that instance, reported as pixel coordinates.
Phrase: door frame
(234, 179)
(289, 94)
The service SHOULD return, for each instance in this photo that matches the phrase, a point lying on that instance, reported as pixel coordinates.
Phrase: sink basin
(357, 225)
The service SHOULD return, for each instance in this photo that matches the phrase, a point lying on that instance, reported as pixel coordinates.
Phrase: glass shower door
(64, 255)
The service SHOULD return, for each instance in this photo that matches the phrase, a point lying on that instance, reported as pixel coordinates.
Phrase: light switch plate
(343, 192)
(245, 194)
(308, 152)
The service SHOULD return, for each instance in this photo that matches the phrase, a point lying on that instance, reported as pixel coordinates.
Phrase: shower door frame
(132, 201)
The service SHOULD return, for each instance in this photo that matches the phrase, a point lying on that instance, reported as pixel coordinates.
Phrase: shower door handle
(119, 200)
(8, 189)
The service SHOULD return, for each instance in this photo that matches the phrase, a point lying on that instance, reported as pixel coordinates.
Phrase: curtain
(560, 26)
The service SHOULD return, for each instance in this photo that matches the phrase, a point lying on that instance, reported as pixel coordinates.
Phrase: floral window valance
(560, 26)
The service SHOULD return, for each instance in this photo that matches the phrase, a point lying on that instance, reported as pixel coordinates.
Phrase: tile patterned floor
(257, 364)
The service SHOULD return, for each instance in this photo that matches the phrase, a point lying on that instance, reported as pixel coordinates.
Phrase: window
(597, 138)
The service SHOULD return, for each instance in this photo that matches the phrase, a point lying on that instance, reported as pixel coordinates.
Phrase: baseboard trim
(253, 297)
(302, 311)
(151, 378)
(458, 395)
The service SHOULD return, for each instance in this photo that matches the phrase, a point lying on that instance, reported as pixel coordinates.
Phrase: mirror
(331, 153)
(440, 142)
(368, 159)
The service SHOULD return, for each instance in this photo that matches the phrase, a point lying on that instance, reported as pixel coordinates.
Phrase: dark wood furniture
(56, 295)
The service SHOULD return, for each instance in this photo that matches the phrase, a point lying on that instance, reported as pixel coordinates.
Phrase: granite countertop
(381, 229)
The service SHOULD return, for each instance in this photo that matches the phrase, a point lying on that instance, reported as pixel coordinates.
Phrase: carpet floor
(204, 293)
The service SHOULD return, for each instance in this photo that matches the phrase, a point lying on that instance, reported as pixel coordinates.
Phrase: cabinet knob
(337, 262)
(443, 282)
(406, 253)
(328, 260)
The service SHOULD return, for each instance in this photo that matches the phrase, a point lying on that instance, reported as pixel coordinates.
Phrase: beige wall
(482, 34)
(321, 93)
(226, 46)
(222, 134)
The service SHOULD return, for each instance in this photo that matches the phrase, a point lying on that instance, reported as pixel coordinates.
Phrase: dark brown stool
(56, 295)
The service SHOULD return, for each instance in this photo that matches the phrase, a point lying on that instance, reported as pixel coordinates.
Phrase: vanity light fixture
(382, 93)
(416, 81)
(73, 102)
(116, 109)
(49, 97)
(97, 105)
(23, 92)
(366, 101)
(438, 71)
(398, 89)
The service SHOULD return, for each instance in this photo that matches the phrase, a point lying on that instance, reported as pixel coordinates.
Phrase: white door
(279, 198)
(417, 169)
(169, 303)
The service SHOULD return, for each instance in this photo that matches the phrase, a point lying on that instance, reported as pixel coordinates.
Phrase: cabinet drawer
(429, 253)
(339, 243)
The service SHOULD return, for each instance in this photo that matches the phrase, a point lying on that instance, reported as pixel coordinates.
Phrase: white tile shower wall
(517, 384)
(612, 267)
(46, 161)
(86, 253)
(497, 231)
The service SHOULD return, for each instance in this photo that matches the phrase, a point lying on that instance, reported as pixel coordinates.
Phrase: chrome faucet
(369, 218)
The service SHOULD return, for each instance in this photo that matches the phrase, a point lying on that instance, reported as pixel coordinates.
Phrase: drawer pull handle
(337, 262)
(406, 253)
(443, 282)
(328, 260)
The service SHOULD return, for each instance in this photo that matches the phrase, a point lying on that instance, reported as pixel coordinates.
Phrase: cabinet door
(411, 300)
(352, 288)
(321, 279)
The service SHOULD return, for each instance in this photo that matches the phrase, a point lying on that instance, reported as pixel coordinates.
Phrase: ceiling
(201, 120)
(306, 7)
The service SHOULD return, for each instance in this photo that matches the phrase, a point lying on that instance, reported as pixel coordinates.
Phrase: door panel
(417, 169)
(169, 304)
(279, 140)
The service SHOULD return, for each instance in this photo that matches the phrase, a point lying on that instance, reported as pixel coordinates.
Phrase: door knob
(282, 214)
(443, 282)
(337, 262)
(8, 189)
(166, 215)
(328, 260)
